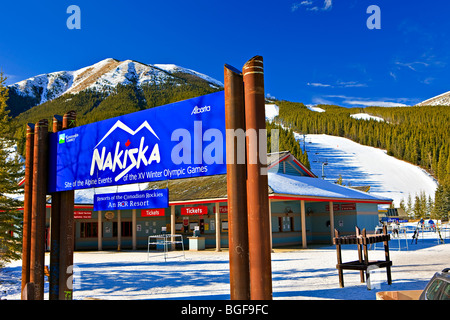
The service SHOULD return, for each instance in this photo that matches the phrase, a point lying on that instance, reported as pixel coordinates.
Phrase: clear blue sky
(315, 51)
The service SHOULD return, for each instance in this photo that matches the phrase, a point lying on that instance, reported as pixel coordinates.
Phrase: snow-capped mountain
(442, 99)
(104, 76)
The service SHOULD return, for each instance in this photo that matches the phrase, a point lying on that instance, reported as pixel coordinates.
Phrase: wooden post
(360, 256)
(37, 253)
(257, 182)
(28, 292)
(366, 253)
(386, 254)
(67, 230)
(27, 215)
(55, 222)
(339, 258)
(236, 186)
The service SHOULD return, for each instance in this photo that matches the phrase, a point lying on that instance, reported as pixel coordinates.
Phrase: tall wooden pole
(37, 253)
(55, 234)
(27, 217)
(257, 182)
(236, 186)
(67, 230)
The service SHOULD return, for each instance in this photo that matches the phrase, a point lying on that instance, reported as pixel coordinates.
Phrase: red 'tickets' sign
(190, 211)
(82, 214)
(152, 212)
(222, 209)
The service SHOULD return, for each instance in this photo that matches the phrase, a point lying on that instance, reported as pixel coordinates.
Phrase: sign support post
(67, 230)
(236, 186)
(55, 243)
(257, 182)
(28, 195)
(37, 252)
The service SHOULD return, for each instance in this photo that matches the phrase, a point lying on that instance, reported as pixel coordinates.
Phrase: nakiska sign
(178, 140)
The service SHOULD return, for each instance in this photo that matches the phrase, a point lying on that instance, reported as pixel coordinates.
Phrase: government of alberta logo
(198, 110)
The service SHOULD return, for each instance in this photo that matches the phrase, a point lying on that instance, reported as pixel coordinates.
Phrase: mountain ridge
(442, 99)
(103, 76)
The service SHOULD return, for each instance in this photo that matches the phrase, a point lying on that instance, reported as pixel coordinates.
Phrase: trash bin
(196, 243)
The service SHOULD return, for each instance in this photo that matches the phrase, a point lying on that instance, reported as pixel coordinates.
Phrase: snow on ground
(366, 116)
(363, 165)
(272, 110)
(303, 274)
(315, 109)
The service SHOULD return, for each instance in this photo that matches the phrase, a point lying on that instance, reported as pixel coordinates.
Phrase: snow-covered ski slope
(366, 166)
(360, 165)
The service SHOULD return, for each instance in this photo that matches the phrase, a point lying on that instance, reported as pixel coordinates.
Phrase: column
(270, 223)
(119, 230)
(172, 223)
(302, 205)
(331, 221)
(134, 228)
(217, 227)
(99, 230)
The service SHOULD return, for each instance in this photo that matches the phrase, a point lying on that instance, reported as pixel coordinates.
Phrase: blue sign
(148, 199)
(178, 140)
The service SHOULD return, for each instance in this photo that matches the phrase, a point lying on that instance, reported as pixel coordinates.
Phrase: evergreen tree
(441, 209)
(409, 206)
(11, 171)
(417, 208)
(402, 205)
(430, 205)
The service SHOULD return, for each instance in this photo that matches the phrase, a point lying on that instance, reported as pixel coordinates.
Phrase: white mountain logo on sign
(120, 157)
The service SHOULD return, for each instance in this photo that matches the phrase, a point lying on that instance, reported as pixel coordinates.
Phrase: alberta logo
(198, 110)
(62, 138)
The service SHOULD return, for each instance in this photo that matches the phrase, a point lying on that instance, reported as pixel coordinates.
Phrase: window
(285, 224)
(446, 292)
(126, 229)
(434, 290)
(88, 229)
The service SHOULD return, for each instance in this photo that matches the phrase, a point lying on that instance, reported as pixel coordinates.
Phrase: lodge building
(304, 210)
